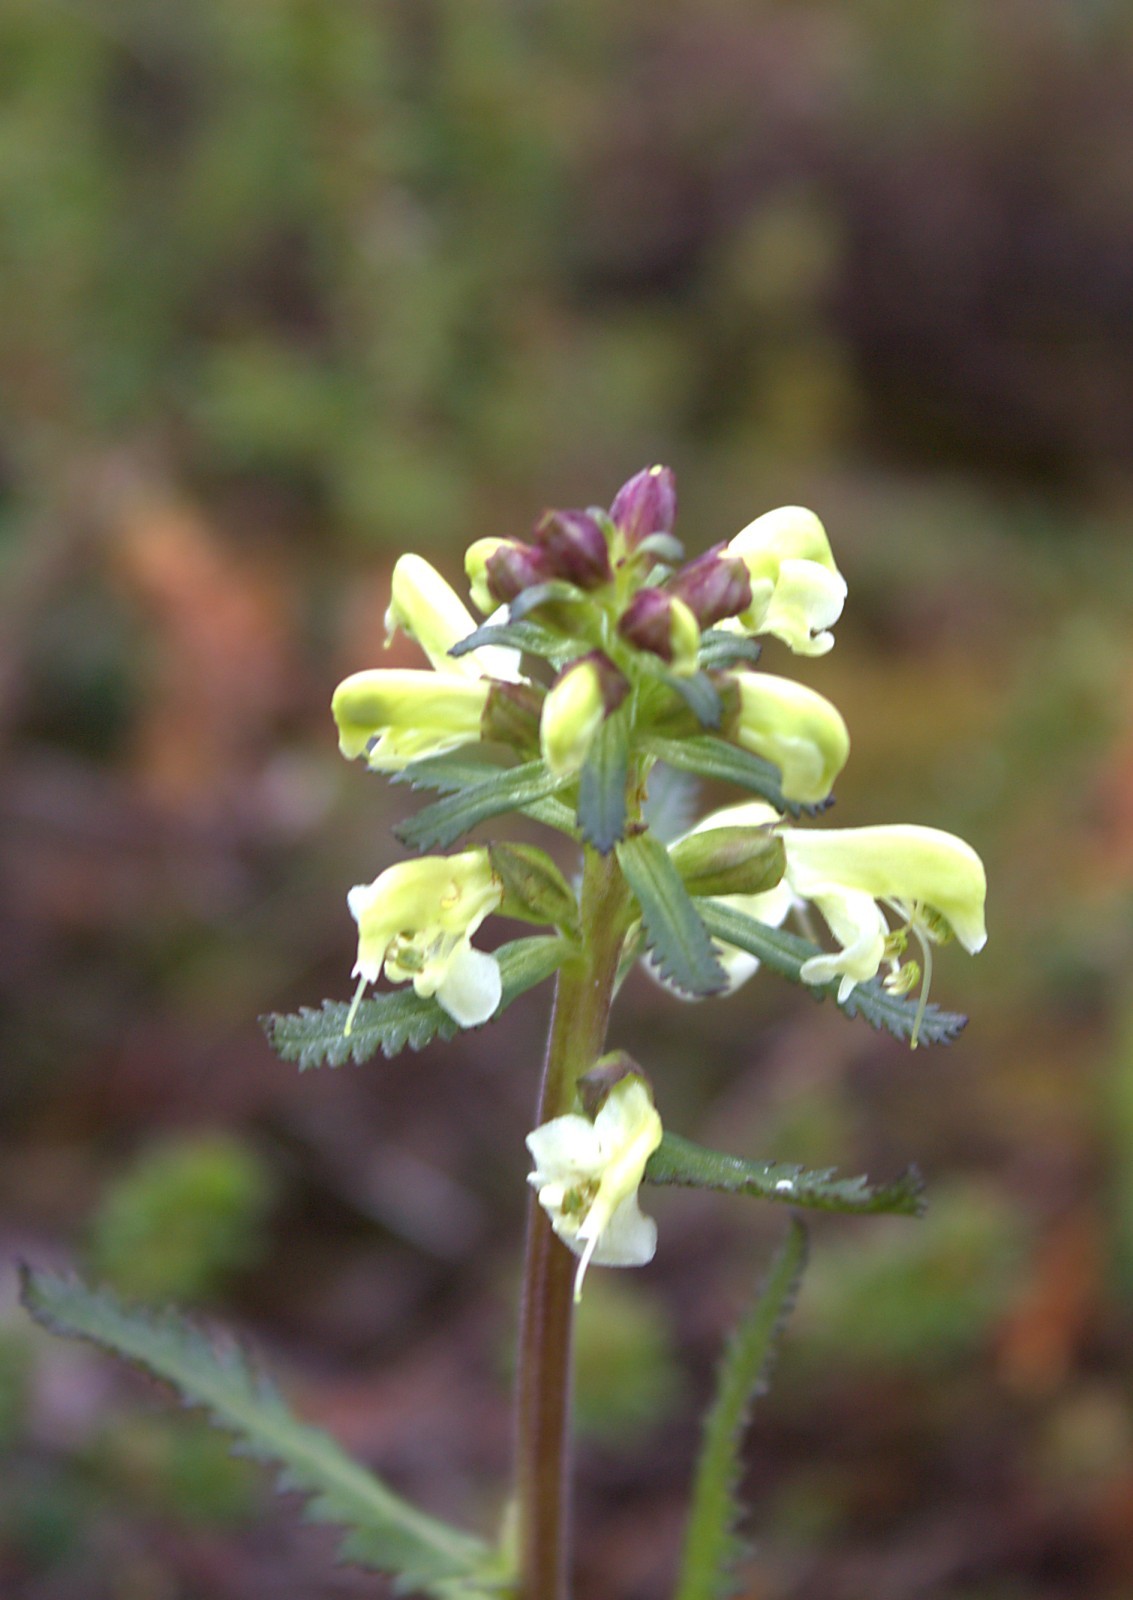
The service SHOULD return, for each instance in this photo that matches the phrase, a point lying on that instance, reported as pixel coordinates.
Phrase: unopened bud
(500, 569)
(606, 1073)
(713, 586)
(573, 544)
(646, 505)
(574, 710)
(730, 860)
(659, 622)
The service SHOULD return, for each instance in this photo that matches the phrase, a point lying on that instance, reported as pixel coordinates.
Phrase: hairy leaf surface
(674, 931)
(678, 1161)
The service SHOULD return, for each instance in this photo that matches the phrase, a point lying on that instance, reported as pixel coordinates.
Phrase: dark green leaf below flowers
(709, 757)
(674, 932)
(460, 769)
(602, 784)
(679, 1162)
(713, 1547)
(527, 635)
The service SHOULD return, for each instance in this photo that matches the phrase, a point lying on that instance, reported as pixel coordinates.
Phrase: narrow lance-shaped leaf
(527, 635)
(698, 693)
(709, 757)
(678, 1161)
(720, 649)
(459, 770)
(674, 931)
(509, 789)
(785, 953)
(713, 1549)
(383, 1531)
(390, 1022)
(602, 784)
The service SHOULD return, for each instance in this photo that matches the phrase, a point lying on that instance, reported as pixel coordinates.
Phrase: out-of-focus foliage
(626, 1373)
(181, 1219)
(915, 1296)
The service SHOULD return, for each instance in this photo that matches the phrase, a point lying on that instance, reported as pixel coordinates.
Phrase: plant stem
(583, 996)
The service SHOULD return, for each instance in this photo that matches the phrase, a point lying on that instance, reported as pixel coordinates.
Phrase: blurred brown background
(289, 286)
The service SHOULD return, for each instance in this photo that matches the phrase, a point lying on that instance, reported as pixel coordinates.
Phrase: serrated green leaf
(450, 773)
(785, 953)
(674, 931)
(602, 785)
(530, 637)
(720, 649)
(712, 1549)
(679, 1162)
(506, 789)
(390, 1022)
(384, 1531)
(709, 757)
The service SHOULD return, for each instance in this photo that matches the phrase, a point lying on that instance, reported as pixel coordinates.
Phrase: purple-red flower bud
(574, 547)
(611, 683)
(645, 505)
(713, 586)
(515, 567)
(647, 622)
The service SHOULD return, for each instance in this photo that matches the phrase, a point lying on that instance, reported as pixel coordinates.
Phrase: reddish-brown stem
(583, 996)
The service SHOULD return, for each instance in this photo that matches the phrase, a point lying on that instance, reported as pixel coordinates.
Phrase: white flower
(417, 920)
(794, 727)
(930, 883)
(797, 591)
(587, 1175)
(429, 610)
(396, 716)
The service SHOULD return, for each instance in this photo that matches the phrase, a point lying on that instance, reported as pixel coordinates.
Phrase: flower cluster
(603, 652)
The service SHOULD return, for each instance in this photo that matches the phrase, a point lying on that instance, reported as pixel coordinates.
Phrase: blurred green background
(289, 286)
